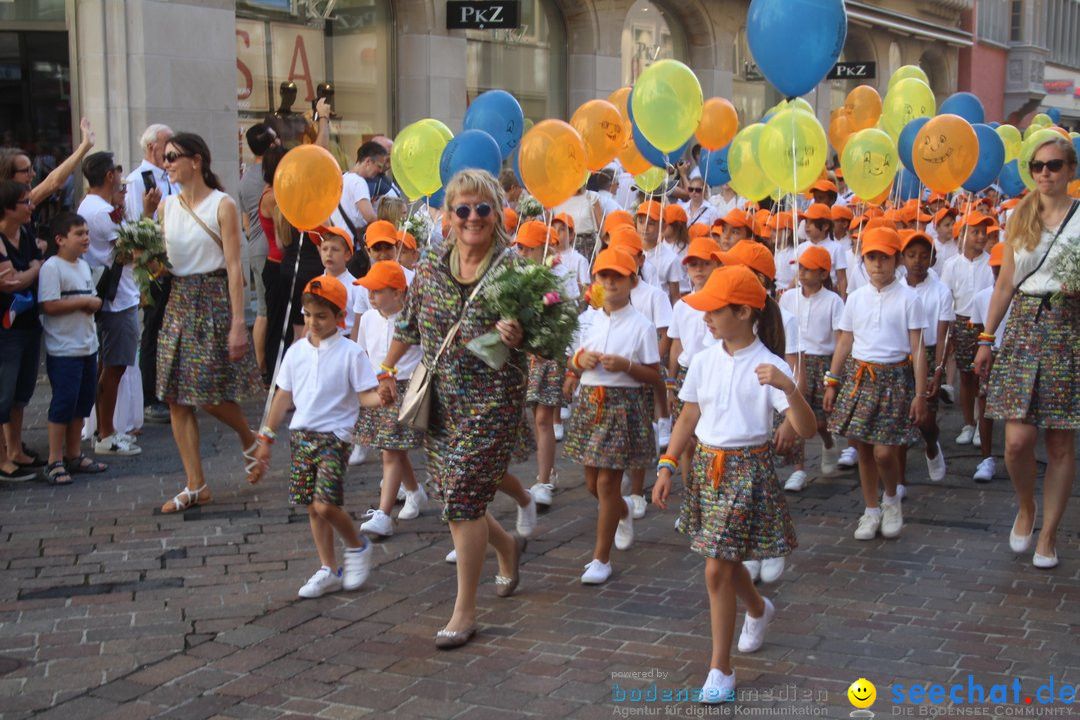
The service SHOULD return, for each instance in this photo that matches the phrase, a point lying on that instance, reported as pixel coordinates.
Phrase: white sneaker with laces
(401, 495)
(378, 523)
(559, 432)
(935, 467)
(849, 458)
(451, 557)
(752, 636)
(116, 444)
(526, 518)
(414, 503)
(638, 503)
(624, 533)
(830, 460)
(966, 435)
(985, 471)
(772, 569)
(541, 493)
(718, 687)
(358, 455)
(892, 519)
(754, 568)
(869, 524)
(323, 581)
(663, 431)
(357, 566)
(596, 572)
(796, 481)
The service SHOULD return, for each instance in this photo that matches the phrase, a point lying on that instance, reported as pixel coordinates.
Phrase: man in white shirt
(606, 187)
(372, 159)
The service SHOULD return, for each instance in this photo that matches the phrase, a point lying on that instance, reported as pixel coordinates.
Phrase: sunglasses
(464, 210)
(171, 157)
(26, 169)
(1051, 165)
(697, 190)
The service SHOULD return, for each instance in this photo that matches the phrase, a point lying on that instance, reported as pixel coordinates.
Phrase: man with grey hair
(156, 182)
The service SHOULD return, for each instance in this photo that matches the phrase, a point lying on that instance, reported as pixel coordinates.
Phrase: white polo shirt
(836, 253)
(736, 409)
(880, 321)
(625, 332)
(376, 332)
(818, 318)
(325, 382)
(577, 264)
(666, 262)
(965, 278)
(689, 328)
(653, 303)
(980, 308)
(937, 302)
(787, 267)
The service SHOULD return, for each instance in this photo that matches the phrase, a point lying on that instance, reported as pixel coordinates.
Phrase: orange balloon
(603, 131)
(632, 160)
(1062, 131)
(552, 161)
(840, 129)
(945, 152)
(307, 186)
(863, 105)
(1074, 189)
(621, 99)
(718, 125)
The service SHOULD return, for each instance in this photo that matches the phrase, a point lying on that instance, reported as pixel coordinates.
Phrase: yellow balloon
(1012, 139)
(907, 100)
(802, 104)
(307, 186)
(747, 178)
(1027, 151)
(792, 149)
(552, 161)
(870, 161)
(651, 179)
(1042, 120)
(440, 126)
(415, 157)
(908, 71)
(667, 103)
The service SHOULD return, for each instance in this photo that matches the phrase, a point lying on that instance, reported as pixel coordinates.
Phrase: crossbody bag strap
(1061, 228)
(204, 226)
(464, 308)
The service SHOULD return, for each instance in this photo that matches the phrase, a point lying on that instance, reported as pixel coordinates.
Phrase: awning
(907, 25)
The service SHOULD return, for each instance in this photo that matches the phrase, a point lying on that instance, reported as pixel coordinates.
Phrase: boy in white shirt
(819, 224)
(327, 378)
(576, 264)
(336, 249)
(979, 310)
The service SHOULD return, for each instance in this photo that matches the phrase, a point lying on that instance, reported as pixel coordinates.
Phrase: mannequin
(289, 125)
(287, 90)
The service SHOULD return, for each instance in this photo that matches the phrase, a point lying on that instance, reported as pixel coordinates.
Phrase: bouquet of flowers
(142, 244)
(1066, 270)
(419, 224)
(529, 207)
(532, 295)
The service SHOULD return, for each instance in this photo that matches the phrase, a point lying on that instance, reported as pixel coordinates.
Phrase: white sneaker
(357, 566)
(414, 503)
(796, 481)
(869, 524)
(830, 460)
(626, 485)
(596, 573)
(936, 467)
(564, 413)
(323, 581)
(116, 444)
(948, 394)
(892, 519)
(718, 687)
(901, 490)
(541, 493)
(358, 455)
(451, 557)
(966, 435)
(663, 431)
(752, 636)
(401, 495)
(976, 439)
(526, 518)
(624, 533)
(849, 458)
(638, 506)
(558, 432)
(754, 568)
(772, 569)
(985, 471)
(379, 523)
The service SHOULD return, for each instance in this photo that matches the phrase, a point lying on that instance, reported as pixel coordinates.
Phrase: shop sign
(853, 71)
(1059, 87)
(478, 15)
(297, 55)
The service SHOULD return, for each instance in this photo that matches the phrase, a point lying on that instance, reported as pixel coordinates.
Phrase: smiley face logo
(862, 693)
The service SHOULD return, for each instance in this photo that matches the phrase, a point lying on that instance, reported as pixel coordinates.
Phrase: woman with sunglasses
(477, 411)
(698, 208)
(204, 355)
(1034, 379)
(16, 165)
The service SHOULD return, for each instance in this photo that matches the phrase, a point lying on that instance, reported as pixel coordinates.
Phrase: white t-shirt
(965, 278)
(880, 321)
(346, 279)
(689, 328)
(653, 303)
(666, 262)
(937, 302)
(133, 208)
(571, 289)
(706, 214)
(72, 334)
(736, 409)
(324, 382)
(376, 334)
(787, 267)
(353, 189)
(818, 319)
(625, 332)
(980, 308)
(95, 210)
(943, 251)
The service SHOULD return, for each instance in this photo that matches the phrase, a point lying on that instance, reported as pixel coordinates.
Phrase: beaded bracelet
(985, 343)
(829, 374)
(669, 384)
(832, 380)
(574, 360)
(387, 369)
(987, 336)
(267, 435)
(667, 463)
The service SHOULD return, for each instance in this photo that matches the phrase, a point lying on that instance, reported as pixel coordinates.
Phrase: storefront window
(529, 62)
(649, 34)
(35, 94)
(287, 51)
(32, 11)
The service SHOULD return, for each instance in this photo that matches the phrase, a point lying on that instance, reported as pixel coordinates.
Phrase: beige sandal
(185, 500)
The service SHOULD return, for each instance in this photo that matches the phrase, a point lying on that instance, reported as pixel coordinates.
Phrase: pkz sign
(853, 71)
(478, 15)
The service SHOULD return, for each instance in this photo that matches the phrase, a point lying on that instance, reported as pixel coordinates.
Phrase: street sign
(481, 15)
(853, 71)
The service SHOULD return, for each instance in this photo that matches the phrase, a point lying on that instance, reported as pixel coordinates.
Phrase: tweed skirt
(611, 427)
(873, 403)
(379, 427)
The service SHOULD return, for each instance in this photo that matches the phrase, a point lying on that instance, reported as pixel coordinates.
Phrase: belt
(715, 472)
(872, 368)
(597, 396)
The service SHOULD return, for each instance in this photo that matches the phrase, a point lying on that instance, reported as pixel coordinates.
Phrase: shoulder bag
(1061, 228)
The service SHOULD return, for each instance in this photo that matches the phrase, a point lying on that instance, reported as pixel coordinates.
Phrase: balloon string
(547, 235)
(284, 329)
(798, 288)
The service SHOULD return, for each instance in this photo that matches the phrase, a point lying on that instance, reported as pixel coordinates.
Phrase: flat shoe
(1020, 543)
(1044, 562)
(505, 586)
(450, 639)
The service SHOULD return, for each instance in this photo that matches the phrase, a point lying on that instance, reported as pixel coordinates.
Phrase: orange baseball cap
(316, 235)
(993, 230)
(382, 231)
(909, 236)
(510, 219)
(873, 211)
(650, 208)
(626, 237)
(911, 213)
(616, 260)
(753, 255)
(702, 248)
(383, 274)
(880, 239)
(977, 218)
(838, 172)
(675, 213)
(842, 212)
(735, 218)
(408, 240)
(936, 197)
(781, 221)
(566, 219)
(940, 214)
(532, 234)
(734, 285)
(997, 254)
(699, 230)
(818, 211)
(1010, 203)
(330, 289)
(816, 258)
(616, 218)
(825, 186)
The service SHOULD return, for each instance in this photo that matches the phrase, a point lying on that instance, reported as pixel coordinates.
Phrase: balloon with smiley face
(945, 153)
(499, 114)
(603, 131)
(792, 150)
(869, 163)
(906, 100)
(552, 161)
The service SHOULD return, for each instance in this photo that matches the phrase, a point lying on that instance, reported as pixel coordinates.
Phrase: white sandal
(185, 500)
(250, 461)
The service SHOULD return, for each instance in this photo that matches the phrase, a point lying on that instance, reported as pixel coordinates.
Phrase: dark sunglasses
(1051, 165)
(697, 190)
(463, 211)
(172, 157)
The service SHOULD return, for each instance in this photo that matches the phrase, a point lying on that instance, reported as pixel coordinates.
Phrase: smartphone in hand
(148, 181)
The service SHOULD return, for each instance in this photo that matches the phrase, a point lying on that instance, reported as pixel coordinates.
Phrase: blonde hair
(392, 209)
(478, 182)
(1025, 226)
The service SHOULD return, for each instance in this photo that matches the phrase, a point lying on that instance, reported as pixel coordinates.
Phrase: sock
(873, 512)
(890, 499)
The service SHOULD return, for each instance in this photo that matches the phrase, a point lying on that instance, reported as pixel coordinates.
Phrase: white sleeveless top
(1042, 281)
(191, 251)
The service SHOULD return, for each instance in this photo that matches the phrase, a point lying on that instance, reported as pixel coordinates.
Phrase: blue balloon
(994, 125)
(517, 168)
(991, 158)
(767, 117)
(499, 114)
(965, 105)
(713, 167)
(1055, 115)
(795, 43)
(1009, 179)
(907, 141)
(649, 151)
(908, 183)
(437, 200)
(470, 149)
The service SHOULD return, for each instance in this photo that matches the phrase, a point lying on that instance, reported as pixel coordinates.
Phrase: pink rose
(552, 298)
